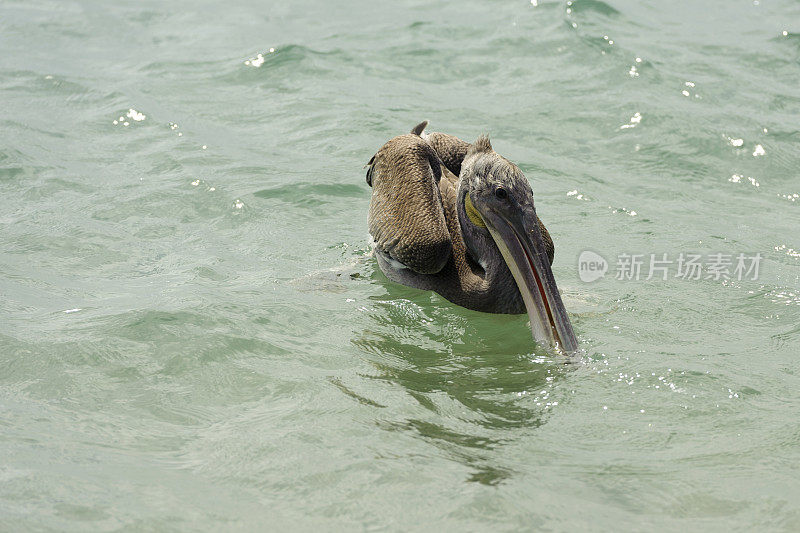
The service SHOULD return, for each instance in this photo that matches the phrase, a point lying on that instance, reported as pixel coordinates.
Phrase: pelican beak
(521, 243)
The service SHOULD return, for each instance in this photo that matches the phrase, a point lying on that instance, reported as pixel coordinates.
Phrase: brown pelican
(458, 219)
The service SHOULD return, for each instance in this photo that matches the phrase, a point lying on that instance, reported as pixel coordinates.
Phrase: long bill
(521, 243)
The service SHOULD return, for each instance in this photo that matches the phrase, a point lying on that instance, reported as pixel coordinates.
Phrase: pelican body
(458, 219)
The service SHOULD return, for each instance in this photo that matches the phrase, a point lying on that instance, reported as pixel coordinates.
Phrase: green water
(192, 335)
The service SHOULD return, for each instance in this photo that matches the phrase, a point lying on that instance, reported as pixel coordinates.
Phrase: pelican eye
(500, 193)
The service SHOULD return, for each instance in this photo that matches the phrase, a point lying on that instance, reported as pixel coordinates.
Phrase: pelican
(458, 219)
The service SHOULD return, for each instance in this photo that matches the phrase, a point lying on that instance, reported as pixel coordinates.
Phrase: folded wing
(406, 218)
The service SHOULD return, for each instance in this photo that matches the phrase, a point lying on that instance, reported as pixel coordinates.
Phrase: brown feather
(413, 219)
(406, 218)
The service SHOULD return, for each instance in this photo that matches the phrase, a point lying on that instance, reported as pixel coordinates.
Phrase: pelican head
(496, 214)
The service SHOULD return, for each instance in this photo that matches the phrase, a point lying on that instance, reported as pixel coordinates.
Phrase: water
(191, 334)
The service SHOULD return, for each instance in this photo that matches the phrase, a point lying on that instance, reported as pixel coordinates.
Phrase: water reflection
(480, 380)
(467, 449)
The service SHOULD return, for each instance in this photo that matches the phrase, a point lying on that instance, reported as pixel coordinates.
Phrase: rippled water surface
(193, 335)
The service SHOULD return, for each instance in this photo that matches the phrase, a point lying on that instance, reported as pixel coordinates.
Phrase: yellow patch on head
(472, 213)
